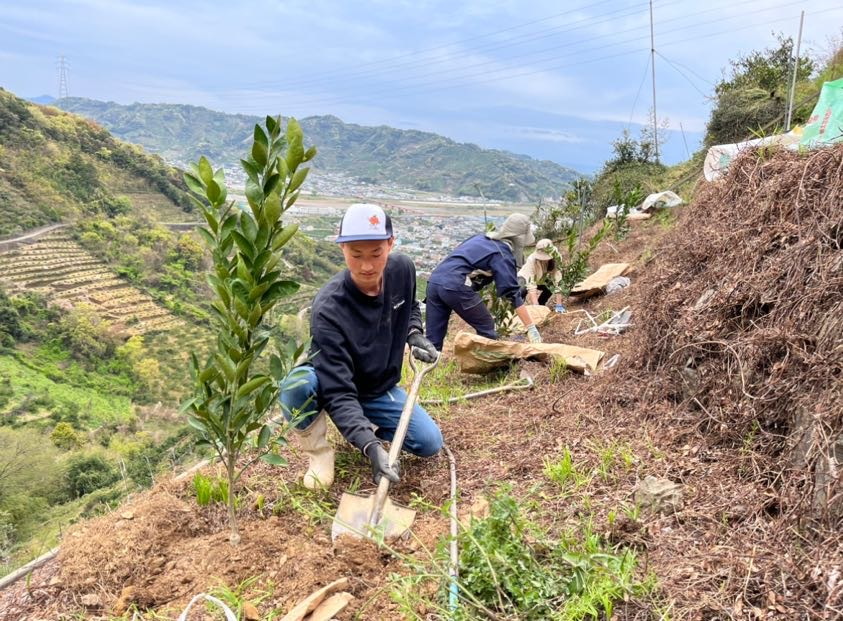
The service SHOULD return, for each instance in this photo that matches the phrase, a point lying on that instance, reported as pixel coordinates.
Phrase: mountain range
(380, 155)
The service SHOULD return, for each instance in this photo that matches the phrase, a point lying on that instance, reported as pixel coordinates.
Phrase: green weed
(512, 568)
(626, 201)
(633, 511)
(564, 473)
(446, 382)
(236, 597)
(209, 490)
(612, 456)
(664, 218)
(558, 369)
(316, 506)
(349, 464)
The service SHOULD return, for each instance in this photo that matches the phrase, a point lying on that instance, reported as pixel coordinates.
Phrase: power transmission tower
(653, 66)
(63, 67)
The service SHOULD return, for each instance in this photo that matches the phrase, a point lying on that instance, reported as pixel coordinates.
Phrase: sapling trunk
(234, 537)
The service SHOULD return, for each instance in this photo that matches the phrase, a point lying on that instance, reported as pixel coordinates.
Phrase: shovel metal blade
(353, 516)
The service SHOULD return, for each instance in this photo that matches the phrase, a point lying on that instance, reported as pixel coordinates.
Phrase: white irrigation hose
(229, 615)
(523, 383)
(453, 567)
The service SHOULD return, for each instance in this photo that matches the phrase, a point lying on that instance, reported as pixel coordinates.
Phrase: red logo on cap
(374, 221)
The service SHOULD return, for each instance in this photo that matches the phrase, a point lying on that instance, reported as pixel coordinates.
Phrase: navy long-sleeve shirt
(480, 253)
(358, 343)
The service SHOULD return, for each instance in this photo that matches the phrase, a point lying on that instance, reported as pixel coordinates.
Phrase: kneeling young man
(360, 322)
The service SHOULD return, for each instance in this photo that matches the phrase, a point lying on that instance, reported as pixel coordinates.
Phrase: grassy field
(34, 395)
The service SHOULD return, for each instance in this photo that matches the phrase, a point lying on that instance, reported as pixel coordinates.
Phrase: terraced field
(60, 269)
(172, 351)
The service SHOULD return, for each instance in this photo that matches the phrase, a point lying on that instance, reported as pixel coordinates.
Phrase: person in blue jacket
(454, 284)
(361, 321)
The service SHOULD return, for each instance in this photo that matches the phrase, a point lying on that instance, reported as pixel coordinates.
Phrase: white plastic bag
(616, 284)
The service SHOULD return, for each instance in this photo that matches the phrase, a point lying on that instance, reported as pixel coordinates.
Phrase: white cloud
(543, 133)
(401, 61)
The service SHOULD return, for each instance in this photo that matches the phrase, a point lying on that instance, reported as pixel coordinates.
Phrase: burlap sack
(477, 354)
(594, 284)
(538, 312)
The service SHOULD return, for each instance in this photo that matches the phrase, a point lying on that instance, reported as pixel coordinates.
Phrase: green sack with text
(825, 125)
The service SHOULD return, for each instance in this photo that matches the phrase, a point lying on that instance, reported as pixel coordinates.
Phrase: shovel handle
(400, 433)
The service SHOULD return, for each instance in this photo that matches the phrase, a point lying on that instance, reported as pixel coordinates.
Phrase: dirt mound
(159, 549)
(113, 551)
(744, 334)
(746, 309)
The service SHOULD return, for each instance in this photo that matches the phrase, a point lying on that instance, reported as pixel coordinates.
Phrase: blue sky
(553, 80)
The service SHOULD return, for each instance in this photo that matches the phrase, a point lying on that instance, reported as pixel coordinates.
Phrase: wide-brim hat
(540, 252)
(364, 222)
(516, 227)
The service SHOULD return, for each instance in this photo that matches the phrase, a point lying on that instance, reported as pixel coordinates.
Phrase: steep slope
(728, 386)
(381, 155)
(55, 166)
(66, 274)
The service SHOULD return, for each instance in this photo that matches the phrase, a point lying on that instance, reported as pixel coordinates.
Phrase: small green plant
(612, 455)
(664, 218)
(247, 593)
(633, 511)
(315, 506)
(558, 369)
(517, 570)
(232, 398)
(501, 309)
(749, 437)
(564, 473)
(209, 490)
(575, 267)
(766, 151)
(626, 200)
(607, 457)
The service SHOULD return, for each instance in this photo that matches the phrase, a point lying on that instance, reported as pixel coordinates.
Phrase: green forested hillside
(56, 166)
(382, 155)
(98, 318)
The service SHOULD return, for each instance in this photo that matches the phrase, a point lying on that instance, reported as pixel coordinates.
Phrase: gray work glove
(422, 348)
(380, 463)
(533, 334)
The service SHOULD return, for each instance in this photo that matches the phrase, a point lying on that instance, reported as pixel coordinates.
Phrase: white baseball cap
(364, 222)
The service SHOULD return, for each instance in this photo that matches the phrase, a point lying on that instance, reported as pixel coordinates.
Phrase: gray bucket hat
(517, 233)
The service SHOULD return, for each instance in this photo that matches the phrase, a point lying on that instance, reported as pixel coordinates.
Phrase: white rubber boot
(314, 442)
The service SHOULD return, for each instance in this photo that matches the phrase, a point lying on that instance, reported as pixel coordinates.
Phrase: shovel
(363, 516)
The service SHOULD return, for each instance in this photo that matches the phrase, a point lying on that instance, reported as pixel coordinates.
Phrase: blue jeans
(465, 302)
(423, 436)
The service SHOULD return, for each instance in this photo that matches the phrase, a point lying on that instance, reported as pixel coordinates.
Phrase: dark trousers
(544, 294)
(465, 302)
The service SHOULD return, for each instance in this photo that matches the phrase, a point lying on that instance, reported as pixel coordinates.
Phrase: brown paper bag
(477, 354)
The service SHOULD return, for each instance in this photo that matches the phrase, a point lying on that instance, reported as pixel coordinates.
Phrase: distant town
(427, 226)
(427, 238)
(321, 183)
